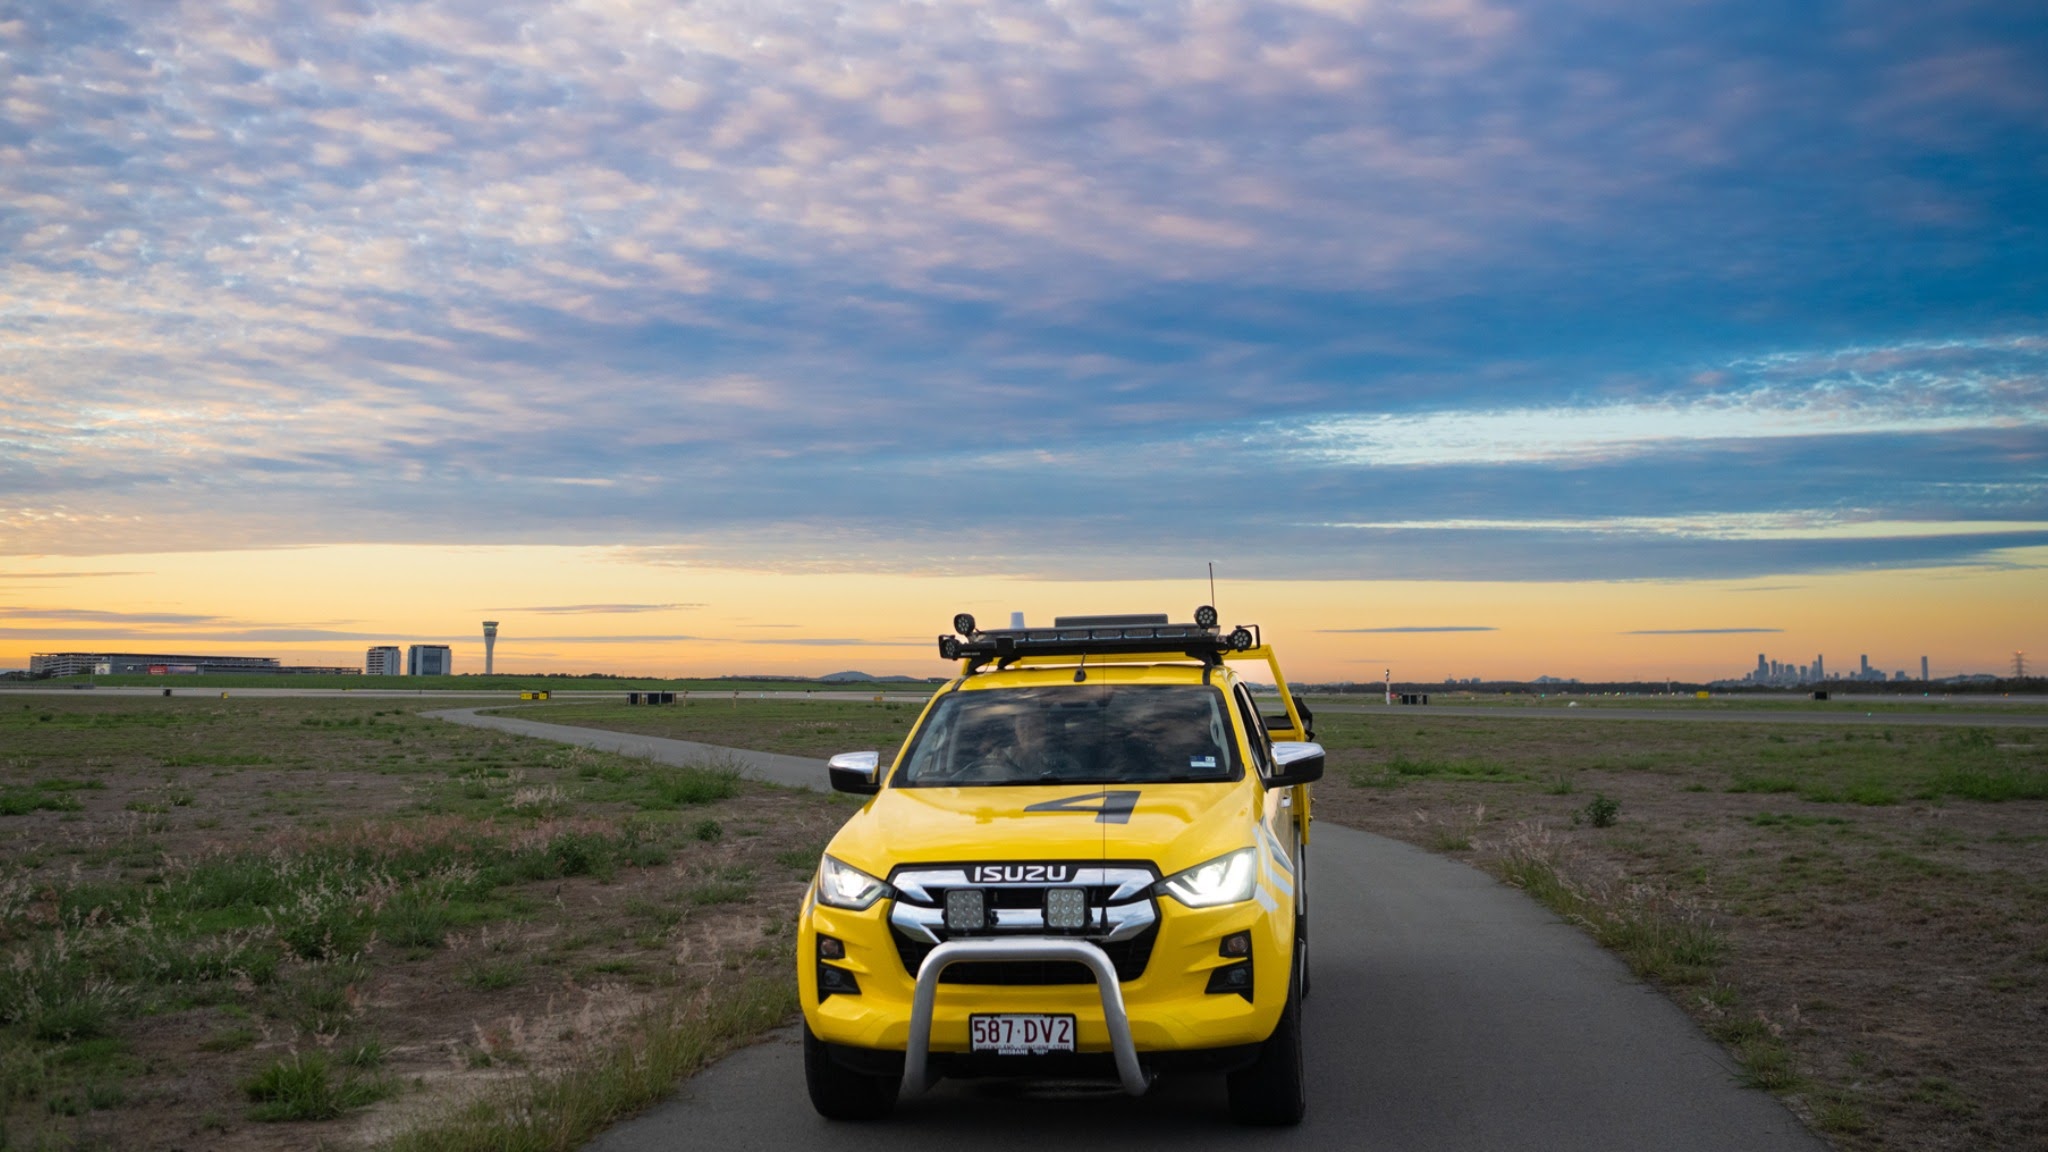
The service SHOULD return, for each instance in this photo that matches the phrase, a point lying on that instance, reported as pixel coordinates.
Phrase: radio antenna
(1212, 583)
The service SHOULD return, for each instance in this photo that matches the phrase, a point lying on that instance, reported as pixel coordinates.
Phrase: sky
(1586, 339)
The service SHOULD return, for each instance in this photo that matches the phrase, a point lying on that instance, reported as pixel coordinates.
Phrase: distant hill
(847, 677)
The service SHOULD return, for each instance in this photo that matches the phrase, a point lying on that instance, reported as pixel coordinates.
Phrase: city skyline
(1573, 340)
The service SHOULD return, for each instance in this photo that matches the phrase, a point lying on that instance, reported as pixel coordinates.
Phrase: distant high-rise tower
(1923, 668)
(490, 643)
(383, 660)
(1016, 619)
(1820, 668)
(429, 660)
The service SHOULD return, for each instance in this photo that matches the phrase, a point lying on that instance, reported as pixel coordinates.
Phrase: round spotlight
(1205, 617)
(1241, 639)
(949, 648)
(963, 624)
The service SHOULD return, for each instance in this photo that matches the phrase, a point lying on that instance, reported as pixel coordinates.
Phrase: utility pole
(1390, 685)
(2019, 665)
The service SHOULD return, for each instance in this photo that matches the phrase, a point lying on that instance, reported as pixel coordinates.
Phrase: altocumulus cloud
(1473, 290)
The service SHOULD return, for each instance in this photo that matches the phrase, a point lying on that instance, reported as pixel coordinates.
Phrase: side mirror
(857, 772)
(1295, 762)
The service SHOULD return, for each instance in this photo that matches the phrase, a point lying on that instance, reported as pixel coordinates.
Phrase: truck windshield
(1074, 734)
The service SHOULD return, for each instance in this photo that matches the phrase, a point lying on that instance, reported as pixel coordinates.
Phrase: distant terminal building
(383, 660)
(429, 660)
(160, 664)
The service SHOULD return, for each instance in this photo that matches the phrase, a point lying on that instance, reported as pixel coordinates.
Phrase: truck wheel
(840, 1093)
(1269, 1091)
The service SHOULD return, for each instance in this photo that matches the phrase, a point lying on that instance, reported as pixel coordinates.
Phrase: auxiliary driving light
(949, 648)
(1205, 617)
(963, 624)
(1236, 944)
(1241, 639)
(1232, 978)
(836, 982)
(1066, 908)
(831, 948)
(966, 910)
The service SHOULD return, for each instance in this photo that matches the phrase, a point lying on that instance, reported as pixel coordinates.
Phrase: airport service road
(771, 767)
(1450, 1012)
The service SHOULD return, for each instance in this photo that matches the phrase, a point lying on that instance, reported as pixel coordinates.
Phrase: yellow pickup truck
(1089, 859)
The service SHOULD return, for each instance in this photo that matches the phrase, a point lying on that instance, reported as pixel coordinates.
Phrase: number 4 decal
(1110, 807)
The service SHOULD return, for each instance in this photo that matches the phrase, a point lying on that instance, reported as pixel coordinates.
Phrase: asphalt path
(1449, 1012)
(771, 767)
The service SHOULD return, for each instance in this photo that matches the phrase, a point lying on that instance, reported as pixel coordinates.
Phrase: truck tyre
(840, 1093)
(1269, 1091)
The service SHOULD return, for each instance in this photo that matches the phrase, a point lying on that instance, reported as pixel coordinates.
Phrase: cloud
(66, 576)
(1412, 628)
(838, 642)
(595, 609)
(1466, 290)
(87, 615)
(1697, 631)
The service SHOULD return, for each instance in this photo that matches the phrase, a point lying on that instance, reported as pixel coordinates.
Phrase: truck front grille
(1129, 957)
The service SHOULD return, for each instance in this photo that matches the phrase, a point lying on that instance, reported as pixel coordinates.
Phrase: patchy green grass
(665, 1042)
(189, 885)
(1658, 935)
(303, 1086)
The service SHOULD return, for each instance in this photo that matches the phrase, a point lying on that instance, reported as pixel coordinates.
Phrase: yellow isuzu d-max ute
(1089, 858)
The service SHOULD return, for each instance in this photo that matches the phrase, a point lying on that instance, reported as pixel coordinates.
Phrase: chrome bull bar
(916, 1054)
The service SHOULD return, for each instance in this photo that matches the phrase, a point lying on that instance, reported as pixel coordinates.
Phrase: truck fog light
(836, 982)
(831, 948)
(1235, 944)
(1232, 978)
(1066, 908)
(966, 910)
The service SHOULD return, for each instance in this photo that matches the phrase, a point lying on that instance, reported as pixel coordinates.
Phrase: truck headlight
(1224, 880)
(841, 885)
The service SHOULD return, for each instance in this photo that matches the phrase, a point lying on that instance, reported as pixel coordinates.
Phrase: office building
(429, 660)
(383, 660)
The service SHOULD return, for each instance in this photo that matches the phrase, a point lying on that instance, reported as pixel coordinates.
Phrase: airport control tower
(490, 643)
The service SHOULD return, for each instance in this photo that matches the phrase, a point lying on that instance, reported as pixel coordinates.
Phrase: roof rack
(1085, 636)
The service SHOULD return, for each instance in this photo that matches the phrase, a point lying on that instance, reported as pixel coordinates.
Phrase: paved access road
(1449, 1012)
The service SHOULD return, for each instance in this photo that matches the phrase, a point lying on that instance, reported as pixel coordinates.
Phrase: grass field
(276, 923)
(271, 923)
(1860, 914)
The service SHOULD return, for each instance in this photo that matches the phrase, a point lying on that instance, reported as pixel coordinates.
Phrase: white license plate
(1021, 1034)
